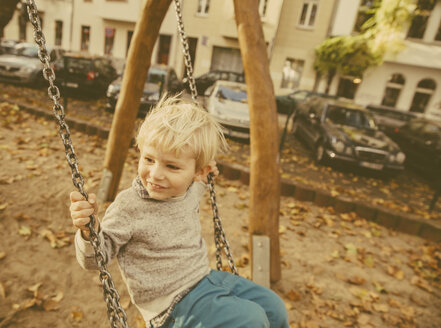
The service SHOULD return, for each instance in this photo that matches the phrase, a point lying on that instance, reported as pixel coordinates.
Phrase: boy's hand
(210, 168)
(80, 210)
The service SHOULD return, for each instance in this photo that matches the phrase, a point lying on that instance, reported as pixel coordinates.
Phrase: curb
(403, 222)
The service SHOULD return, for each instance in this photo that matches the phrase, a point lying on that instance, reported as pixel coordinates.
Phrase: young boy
(153, 228)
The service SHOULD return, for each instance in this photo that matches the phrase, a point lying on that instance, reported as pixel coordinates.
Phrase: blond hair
(174, 124)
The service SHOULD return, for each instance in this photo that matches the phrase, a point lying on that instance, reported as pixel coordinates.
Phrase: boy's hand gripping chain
(115, 312)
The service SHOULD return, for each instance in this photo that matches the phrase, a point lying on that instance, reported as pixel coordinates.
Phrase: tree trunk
(138, 64)
(7, 8)
(264, 177)
(331, 75)
(318, 77)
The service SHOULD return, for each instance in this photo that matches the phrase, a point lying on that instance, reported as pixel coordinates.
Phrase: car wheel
(320, 153)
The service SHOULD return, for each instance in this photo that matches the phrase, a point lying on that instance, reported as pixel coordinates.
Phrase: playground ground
(338, 270)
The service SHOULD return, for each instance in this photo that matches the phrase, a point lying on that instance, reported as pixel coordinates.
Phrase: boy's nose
(156, 172)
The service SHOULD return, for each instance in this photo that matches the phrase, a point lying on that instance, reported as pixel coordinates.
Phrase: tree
(7, 8)
(354, 54)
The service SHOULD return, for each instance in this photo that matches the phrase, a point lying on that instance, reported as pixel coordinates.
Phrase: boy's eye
(173, 167)
(148, 159)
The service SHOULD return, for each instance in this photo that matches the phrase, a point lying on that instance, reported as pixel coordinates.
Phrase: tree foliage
(354, 54)
(7, 8)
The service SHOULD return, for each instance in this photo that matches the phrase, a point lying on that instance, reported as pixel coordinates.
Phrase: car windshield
(26, 52)
(348, 116)
(237, 94)
(79, 63)
(156, 77)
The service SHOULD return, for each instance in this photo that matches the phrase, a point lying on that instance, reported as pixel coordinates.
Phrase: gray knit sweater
(158, 244)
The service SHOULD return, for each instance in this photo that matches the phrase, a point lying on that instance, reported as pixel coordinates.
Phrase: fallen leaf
(24, 231)
(294, 296)
(382, 307)
(356, 280)
(2, 255)
(3, 206)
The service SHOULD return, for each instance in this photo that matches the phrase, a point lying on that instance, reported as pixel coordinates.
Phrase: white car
(23, 66)
(228, 103)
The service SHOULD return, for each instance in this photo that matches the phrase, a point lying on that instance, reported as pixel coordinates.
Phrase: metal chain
(115, 312)
(219, 234)
(186, 50)
(220, 239)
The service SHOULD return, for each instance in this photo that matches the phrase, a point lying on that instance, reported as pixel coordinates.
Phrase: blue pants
(223, 300)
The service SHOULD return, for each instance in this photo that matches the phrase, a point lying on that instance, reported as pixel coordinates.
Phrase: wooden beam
(136, 69)
(264, 144)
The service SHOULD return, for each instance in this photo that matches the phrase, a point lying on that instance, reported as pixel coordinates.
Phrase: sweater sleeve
(115, 232)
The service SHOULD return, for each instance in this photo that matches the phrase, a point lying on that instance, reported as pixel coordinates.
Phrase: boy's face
(166, 175)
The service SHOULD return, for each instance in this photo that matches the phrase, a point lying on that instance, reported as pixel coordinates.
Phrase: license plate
(373, 166)
(72, 85)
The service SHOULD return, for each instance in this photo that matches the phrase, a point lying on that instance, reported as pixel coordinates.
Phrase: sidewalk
(404, 222)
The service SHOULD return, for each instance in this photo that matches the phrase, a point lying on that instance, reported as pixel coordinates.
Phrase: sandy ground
(338, 270)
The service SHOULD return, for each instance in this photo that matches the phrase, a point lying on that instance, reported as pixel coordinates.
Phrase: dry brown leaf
(77, 315)
(382, 307)
(2, 255)
(356, 280)
(417, 281)
(25, 231)
(22, 217)
(51, 305)
(294, 296)
(3, 206)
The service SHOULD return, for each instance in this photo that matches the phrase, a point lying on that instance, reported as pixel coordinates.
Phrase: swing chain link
(220, 239)
(186, 50)
(115, 311)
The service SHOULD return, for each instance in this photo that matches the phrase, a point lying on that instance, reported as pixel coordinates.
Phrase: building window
(109, 38)
(129, 40)
(423, 93)
(291, 73)
(347, 87)
(438, 35)
(365, 12)
(58, 32)
(263, 6)
(308, 13)
(163, 49)
(85, 37)
(393, 90)
(420, 19)
(203, 7)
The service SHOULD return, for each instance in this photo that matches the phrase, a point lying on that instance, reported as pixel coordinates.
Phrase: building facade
(410, 80)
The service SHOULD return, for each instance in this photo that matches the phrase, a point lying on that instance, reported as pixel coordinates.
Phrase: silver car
(23, 66)
(228, 103)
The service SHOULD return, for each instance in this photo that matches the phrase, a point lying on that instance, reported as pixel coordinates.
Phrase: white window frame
(263, 8)
(203, 8)
(310, 4)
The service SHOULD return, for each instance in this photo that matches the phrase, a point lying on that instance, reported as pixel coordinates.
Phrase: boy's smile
(165, 174)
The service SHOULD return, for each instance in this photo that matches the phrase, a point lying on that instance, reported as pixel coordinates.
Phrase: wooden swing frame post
(264, 169)
(138, 63)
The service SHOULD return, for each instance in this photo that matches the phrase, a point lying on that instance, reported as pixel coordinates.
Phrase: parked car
(23, 66)
(227, 102)
(420, 140)
(84, 73)
(389, 119)
(341, 131)
(206, 80)
(287, 104)
(7, 46)
(160, 79)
